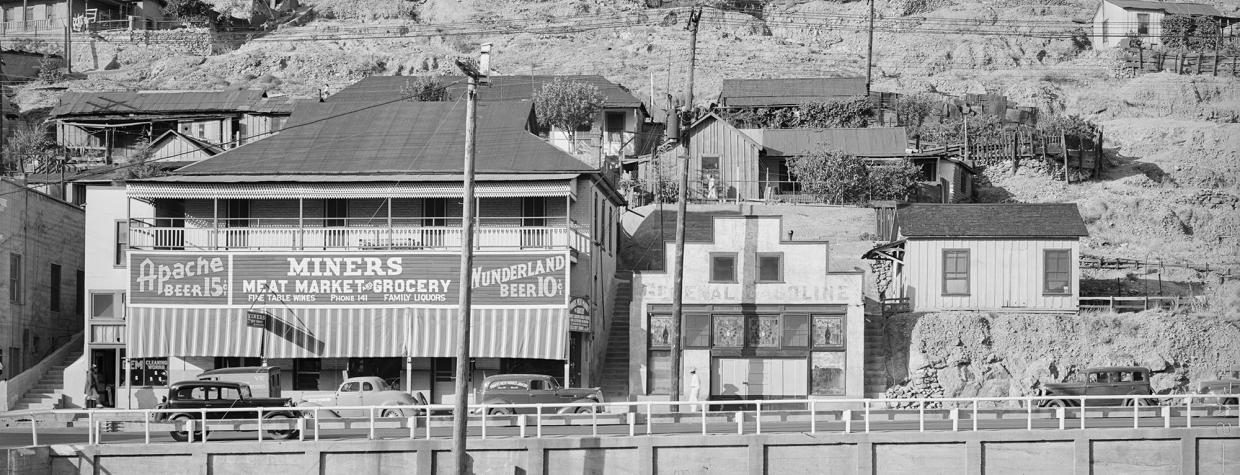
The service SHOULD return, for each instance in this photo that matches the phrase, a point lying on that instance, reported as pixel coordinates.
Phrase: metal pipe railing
(1036, 408)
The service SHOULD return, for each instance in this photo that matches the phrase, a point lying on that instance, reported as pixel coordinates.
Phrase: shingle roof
(1169, 7)
(874, 141)
(124, 103)
(502, 88)
(788, 92)
(401, 137)
(1030, 220)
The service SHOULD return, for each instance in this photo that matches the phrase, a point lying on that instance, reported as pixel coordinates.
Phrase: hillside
(1173, 192)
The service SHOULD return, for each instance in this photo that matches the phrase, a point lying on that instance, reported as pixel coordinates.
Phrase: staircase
(875, 357)
(46, 394)
(616, 362)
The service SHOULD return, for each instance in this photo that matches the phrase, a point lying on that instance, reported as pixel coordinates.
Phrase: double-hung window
(955, 272)
(1057, 272)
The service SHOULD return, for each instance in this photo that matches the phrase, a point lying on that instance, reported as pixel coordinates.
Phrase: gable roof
(788, 92)
(1169, 7)
(157, 102)
(873, 141)
(402, 137)
(502, 88)
(206, 147)
(1006, 220)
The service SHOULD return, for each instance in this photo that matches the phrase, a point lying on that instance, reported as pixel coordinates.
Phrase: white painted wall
(1121, 22)
(1004, 274)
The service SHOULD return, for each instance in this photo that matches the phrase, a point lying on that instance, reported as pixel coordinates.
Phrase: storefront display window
(148, 372)
(697, 331)
(827, 373)
(728, 331)
(660, 331)
(764, 331)
(796, 331)
(828, 331)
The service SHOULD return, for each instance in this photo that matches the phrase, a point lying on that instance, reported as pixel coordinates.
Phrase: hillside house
(51, 16)
(111, 127)
(620, 131)
(1116, 19)
(729, 163)
(984, 257)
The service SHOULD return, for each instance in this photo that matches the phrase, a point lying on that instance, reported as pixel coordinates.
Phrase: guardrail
(842, 415)
(1128, 304)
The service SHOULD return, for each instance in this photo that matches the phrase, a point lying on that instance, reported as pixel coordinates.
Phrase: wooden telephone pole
(678, 263)
(869, 55)
(460, 414)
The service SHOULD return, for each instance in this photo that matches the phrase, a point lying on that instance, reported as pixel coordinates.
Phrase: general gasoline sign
(312, 279)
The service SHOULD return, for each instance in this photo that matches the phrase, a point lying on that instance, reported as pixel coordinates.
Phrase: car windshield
(245, 392)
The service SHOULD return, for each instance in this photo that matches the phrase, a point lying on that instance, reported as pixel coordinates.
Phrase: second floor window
(770, 267)
(122, 242)
(54, 282)
(15, 278)
(955, 272)
(723, 267)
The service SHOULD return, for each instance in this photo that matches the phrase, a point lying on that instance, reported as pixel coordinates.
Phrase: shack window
(723, 267)
(955, 272)
(771, 267)
(614, 121)
(1057, 272)
(1143, 24)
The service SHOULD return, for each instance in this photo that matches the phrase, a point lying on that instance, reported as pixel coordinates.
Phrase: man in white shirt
(695, 386)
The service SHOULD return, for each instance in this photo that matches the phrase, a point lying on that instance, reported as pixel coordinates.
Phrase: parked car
(1110, 381)
(536, 389)
(193, 396)
(263, 380)
(367, 391)
(1228, 383)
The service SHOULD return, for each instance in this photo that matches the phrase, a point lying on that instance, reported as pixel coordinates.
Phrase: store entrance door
(759, 378)
(107, 370)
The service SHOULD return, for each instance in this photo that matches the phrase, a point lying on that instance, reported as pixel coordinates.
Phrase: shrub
(857, 112)
(50, 71)
(894, 181)
(1190, 32)
(831, 176)
(190, 10)
(425, 89)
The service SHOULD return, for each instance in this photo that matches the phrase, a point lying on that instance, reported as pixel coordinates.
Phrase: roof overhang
(892, 251)
(289, 187)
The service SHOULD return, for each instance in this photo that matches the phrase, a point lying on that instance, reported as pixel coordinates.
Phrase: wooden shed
(986, 257)
(724, 153)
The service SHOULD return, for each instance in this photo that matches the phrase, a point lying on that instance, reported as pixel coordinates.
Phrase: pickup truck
(1111, 381)
(367, 391)
(1227, 384)
(536, 389)
(186, 399)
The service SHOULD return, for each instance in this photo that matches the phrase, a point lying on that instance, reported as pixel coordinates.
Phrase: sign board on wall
(579, 314)
(344, 279)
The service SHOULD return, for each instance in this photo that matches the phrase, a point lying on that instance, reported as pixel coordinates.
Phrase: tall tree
(567, 105)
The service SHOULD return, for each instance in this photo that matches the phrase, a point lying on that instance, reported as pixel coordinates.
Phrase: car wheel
(392, 413)
(1136, 401)
(585, 410)
(280, 434)
(500, 411)
(1056, 403)
(1231, 401)
(183, 435)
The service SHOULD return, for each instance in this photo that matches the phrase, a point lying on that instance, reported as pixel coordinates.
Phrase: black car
(193, 396)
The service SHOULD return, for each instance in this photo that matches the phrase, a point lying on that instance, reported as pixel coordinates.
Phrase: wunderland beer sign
(310, 279)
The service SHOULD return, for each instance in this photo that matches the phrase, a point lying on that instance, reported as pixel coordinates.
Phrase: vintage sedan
(367, 391)
(186, 400)
(1226, 387)
(1131, 381)
(536, 389)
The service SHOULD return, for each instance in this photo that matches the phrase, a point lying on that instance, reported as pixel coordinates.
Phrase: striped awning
(503, 189)
(346, 333)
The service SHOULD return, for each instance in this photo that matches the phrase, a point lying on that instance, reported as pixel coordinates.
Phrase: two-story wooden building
(764, 318)
(987, 257)
(332, 249)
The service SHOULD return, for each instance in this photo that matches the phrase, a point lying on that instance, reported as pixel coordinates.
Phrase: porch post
(391, 232)
(301, 226)
(215, 222)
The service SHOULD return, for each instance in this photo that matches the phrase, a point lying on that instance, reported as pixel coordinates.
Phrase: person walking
(695, 386)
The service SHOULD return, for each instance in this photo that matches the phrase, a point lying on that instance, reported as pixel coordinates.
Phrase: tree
(424, 89)
(140, 165)
(892, 181)
(1190, 32)
(28, 148)
(567, 105)
(831, 175)
(190, 10)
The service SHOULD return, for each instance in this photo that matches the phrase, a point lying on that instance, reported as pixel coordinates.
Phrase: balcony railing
(169, 234)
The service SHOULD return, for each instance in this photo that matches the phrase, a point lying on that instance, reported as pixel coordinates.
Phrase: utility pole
(678, 269)
(460, 416)
(869, 55)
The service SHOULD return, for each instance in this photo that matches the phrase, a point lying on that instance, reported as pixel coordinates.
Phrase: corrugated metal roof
(507, 189)
(399, 137)
(1009, 220)
(502, 88)
(1169, 7)
(137, 103)
(788, 92)
(881, 141)
(374, 178)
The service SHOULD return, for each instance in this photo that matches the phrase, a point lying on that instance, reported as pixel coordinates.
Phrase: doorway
(107, 363)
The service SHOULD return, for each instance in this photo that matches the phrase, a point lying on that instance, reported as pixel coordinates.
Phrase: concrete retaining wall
(1201, 451)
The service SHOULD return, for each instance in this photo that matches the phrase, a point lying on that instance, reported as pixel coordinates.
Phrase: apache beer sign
(307, 279)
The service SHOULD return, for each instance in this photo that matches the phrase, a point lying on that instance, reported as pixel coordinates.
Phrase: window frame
(779, 271)
(55, 274)
(716, 255)
(968, 272)
(118, 304)
(1046, 281)
(1143, 24)
(691, 339)
(17, 273)
(120, 250)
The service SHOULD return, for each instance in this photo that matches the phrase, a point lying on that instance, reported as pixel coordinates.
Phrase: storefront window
(827, 374)
(729, 331)
(796, 331)
(660, 331)
(697, 331)
(764, 331)
(148, 372)
(828, 331)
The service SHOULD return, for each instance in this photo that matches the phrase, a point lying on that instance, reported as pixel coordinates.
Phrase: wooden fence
(1128, 304)
(1140, 60)
(1070, 151)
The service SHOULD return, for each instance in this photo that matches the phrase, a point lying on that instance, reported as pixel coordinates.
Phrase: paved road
(1225, 421)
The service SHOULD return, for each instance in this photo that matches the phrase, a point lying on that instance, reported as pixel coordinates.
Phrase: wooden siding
(738, 160)
(180, 150)
(1121, 22)
(1004, 274)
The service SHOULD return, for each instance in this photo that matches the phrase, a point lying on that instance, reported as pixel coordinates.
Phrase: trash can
(92, 402)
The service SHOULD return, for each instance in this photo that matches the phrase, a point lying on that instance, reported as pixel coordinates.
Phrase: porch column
(301, 227)
(215, 222)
